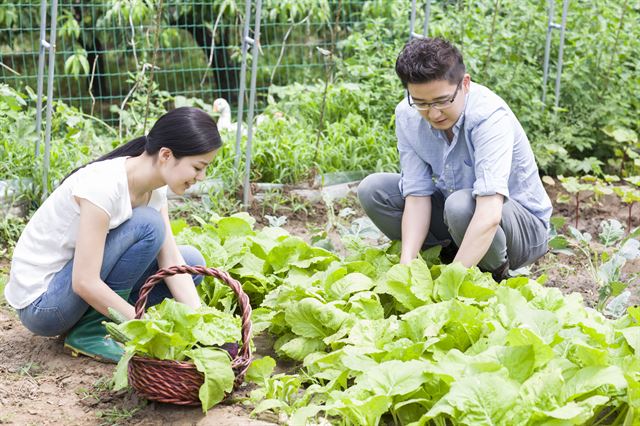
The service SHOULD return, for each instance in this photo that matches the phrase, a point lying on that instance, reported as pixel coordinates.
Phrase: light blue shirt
(489, 153)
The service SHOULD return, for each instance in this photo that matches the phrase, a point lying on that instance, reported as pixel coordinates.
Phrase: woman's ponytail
(185, 131)
(133, 148)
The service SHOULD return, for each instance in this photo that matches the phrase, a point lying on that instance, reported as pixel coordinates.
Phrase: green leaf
(425, 321)
(410, 285)
(483, 399)
(366, 305)
(611, 231)
(293, 251)
(519, 361)
(455, 324)
(349, 284)
(448, 284)
(234, 227)
(268, 404)
(178, 225)
(621, 134)
(543, 353)
(311, 318)
(578, 412)
(634, 312)
(218, 375)
(632, 336)
(299, 347)
(361, 411)
(302, 415)
(260, 369)
(372, 333)
(120, 376)
(393, 378)
(608, 380)
(584, 355)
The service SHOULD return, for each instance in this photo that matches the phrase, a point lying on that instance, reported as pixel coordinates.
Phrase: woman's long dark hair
(186, 131)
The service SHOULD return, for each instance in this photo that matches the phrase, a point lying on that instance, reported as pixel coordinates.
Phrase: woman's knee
(459, 208)
(193, 257)
(47, 322)
(151, 221)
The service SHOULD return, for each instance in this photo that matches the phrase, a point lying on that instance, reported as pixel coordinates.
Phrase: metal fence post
(252, 100)
(51, 47)
(243, 77)
(412, 21)
(547, 50)
(43, 46)
(254, 43)
(565, 9)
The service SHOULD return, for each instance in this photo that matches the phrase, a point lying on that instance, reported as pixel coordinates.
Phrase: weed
(273, 200)
(99, 387)
(30, 369)
(3, 283)
(605, 257)
(116, 416)
(10, 229)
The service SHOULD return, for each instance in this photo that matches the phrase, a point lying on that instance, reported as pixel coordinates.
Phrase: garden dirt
(41, 384)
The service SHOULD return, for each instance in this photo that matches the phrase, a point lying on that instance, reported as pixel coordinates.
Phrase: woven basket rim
(240, 363)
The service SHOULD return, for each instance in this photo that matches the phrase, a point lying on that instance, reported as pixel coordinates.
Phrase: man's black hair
(429, 59)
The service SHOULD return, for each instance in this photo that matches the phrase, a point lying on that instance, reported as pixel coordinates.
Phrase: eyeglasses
(439, 105)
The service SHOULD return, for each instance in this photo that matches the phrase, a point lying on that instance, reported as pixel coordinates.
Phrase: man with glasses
(468, 181)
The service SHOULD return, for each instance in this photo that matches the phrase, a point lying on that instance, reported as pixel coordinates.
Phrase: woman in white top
(105, 230)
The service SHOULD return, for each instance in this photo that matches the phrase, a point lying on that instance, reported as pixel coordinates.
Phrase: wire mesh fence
(103, 47)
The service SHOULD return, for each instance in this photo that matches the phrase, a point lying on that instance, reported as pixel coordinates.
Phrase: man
(468, 180)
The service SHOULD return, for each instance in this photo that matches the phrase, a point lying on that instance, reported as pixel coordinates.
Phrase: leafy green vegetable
(426, 342)
(174, 331)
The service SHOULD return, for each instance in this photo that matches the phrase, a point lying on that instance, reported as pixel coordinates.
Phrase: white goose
(221, 106)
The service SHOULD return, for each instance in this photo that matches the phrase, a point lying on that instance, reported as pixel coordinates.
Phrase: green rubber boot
(89, 337)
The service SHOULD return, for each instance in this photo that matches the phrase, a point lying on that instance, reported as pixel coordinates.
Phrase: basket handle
(243, 359)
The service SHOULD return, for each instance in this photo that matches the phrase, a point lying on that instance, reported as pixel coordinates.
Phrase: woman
(105, 229)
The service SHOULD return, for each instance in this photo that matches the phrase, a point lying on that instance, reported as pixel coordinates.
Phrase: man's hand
(415, 226)
(481, 230)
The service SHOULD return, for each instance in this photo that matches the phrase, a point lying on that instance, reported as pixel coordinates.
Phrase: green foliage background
(306, 134)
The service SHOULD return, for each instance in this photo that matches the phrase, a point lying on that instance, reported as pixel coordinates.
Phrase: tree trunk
(225, 75)
(95, 53)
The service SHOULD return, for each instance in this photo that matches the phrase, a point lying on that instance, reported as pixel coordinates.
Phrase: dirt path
(40, 384)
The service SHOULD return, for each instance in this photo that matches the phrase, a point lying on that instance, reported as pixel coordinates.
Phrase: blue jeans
(129, 259)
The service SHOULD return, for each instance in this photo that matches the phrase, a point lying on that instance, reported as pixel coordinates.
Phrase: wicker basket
(178, 382)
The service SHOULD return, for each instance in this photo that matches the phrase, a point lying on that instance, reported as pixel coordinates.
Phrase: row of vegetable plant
(423, 343)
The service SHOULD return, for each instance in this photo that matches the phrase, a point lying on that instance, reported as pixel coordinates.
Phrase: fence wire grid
(102, 46)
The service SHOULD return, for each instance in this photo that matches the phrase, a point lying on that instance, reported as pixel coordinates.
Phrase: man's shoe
(502, 273)
(89, 337)
(448, 253)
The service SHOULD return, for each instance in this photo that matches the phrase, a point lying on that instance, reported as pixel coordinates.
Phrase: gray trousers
(521, 237)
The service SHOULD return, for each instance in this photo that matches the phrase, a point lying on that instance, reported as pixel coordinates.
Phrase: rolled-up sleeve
(493, 141)
(415, 173)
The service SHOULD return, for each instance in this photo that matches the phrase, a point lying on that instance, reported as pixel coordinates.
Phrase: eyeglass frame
(438, 105)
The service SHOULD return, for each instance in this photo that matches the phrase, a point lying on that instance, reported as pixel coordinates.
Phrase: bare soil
(41, 384)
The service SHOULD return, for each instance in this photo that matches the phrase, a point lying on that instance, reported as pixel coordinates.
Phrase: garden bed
(41, 384)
